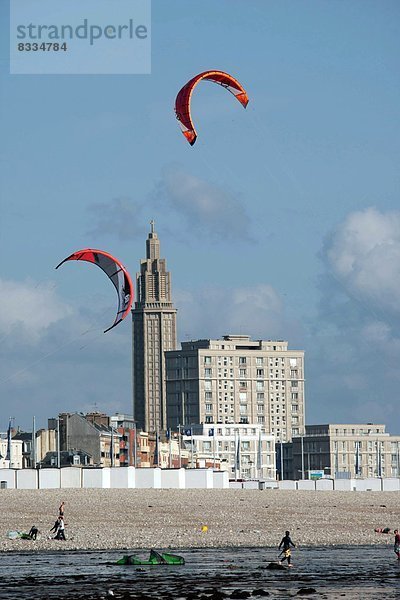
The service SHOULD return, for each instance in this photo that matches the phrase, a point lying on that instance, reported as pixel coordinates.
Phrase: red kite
(115, 271)
(182, 102)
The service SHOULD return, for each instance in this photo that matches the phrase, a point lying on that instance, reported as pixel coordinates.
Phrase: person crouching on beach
(397, 543)
(33, 532)
(286, 542)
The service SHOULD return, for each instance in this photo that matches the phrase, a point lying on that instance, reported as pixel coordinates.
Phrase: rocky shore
(104, 519)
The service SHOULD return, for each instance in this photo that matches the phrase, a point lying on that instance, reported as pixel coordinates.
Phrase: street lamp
(58, 443)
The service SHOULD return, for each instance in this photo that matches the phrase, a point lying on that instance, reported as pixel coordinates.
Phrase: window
(293, 362)
(243, 409)
(242, 373)
(207, 372)
(243, 384)
(294, 383)
(260, 419)
(207, 360)
(259, 360)
(294, 395)
(259, 385)
(208, 407)
(209, 419)
(243, 396)
(260, 396)
(207, 385)
(208, 395)
(260, 372)
(242, 360)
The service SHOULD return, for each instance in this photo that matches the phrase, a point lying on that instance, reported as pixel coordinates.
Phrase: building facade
(154, 332)
(243, 450)
(27, 449)
(91, 434)
(128, 446)
(16, 454)
(343, 450)
(46, 441)
(237, 380)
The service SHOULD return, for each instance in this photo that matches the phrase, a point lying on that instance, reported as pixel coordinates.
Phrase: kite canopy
(115, 271)
(182, 102)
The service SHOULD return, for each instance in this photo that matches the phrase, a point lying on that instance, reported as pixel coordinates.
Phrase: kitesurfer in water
(286, 542)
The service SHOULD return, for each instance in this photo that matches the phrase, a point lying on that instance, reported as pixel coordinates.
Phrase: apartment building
(343, 450)
(237, 380)
(243, 450)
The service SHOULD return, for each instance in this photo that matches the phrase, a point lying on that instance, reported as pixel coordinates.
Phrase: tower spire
(152, 244)
(154, 332)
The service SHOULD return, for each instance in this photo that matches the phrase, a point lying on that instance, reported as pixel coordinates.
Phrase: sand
(98, 519)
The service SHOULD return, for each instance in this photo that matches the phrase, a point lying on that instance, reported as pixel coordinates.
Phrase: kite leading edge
(115, 271)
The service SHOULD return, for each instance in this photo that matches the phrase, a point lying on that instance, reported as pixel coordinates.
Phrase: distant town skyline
(282, 222)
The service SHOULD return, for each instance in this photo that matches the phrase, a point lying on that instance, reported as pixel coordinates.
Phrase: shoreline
(129, 519)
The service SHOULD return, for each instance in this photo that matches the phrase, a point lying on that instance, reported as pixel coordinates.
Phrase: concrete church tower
(154, 332)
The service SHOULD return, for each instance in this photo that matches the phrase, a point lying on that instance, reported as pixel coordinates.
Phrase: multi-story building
(352, 450)
(46, 440)
(92, 434)
(154, 332)
(27, 449)
(237, 380)
(15, 460)
(243, 450)
(128, 451)
(172, 453)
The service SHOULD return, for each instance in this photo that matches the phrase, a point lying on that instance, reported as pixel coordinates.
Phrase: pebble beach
(107, 519)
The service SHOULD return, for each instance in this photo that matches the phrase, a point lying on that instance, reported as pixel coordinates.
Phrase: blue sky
(282, 221)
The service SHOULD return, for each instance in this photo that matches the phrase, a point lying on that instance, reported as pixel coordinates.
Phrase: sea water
(366, 572)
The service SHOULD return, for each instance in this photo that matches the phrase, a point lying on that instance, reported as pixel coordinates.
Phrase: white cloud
(353, 357)
(215, 311)
(197, 208)
(120, 217)
(31, 307)
(206, 207)
(364, 254)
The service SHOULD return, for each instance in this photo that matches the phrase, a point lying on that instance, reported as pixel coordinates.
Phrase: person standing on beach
(61, 529)
(286, 542)
(61, 510)
(397, 543)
